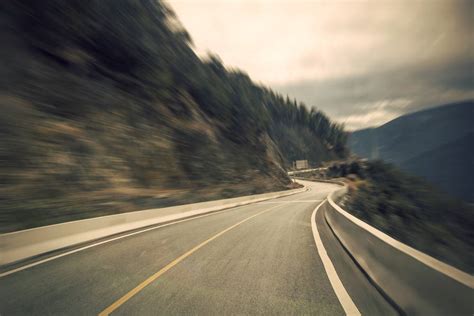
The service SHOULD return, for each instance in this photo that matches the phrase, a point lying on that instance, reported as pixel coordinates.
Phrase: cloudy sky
(362, 62)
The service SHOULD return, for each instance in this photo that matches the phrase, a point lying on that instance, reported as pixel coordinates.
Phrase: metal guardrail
(290, 173)
(416, 282)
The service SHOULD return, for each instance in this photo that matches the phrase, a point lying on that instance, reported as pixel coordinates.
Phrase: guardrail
(416, 282)
(290, 173)
(339, 182)
(20, 245)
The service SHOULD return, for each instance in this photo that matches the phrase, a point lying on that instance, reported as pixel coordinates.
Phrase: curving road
(254, 259)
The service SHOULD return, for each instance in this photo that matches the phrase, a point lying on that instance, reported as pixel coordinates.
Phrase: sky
(362, 62)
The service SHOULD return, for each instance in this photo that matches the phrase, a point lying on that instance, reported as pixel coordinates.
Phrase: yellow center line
(155, 276)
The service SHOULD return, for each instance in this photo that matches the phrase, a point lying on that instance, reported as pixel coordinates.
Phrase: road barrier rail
(415, 282)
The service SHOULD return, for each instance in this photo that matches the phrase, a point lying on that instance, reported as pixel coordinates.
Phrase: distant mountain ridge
(453, 163)
(435, 144)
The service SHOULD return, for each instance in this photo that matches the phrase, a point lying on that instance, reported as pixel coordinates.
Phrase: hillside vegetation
(106, 109)
(435, 144)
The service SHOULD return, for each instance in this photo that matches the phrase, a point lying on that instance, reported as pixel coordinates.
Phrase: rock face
(107, 109)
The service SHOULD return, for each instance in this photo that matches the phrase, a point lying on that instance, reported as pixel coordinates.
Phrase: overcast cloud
(362, 62)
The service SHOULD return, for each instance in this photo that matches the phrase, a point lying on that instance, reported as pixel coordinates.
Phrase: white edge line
(27, 266)
(444, 268)
(103, 242)
(112, 239)
(346, 301)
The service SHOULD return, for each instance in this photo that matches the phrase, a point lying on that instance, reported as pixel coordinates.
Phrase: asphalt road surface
(254, 259)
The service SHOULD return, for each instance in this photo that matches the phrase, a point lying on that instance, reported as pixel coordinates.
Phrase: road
(254, 259)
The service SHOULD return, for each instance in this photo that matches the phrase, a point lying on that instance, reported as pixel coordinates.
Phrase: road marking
(346, 301)
(170, 265)
(112, 239)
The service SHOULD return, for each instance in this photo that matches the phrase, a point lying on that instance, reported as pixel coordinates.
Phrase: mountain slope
(450, 166)
(412, 134)
(433, 143)
(107, 109)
